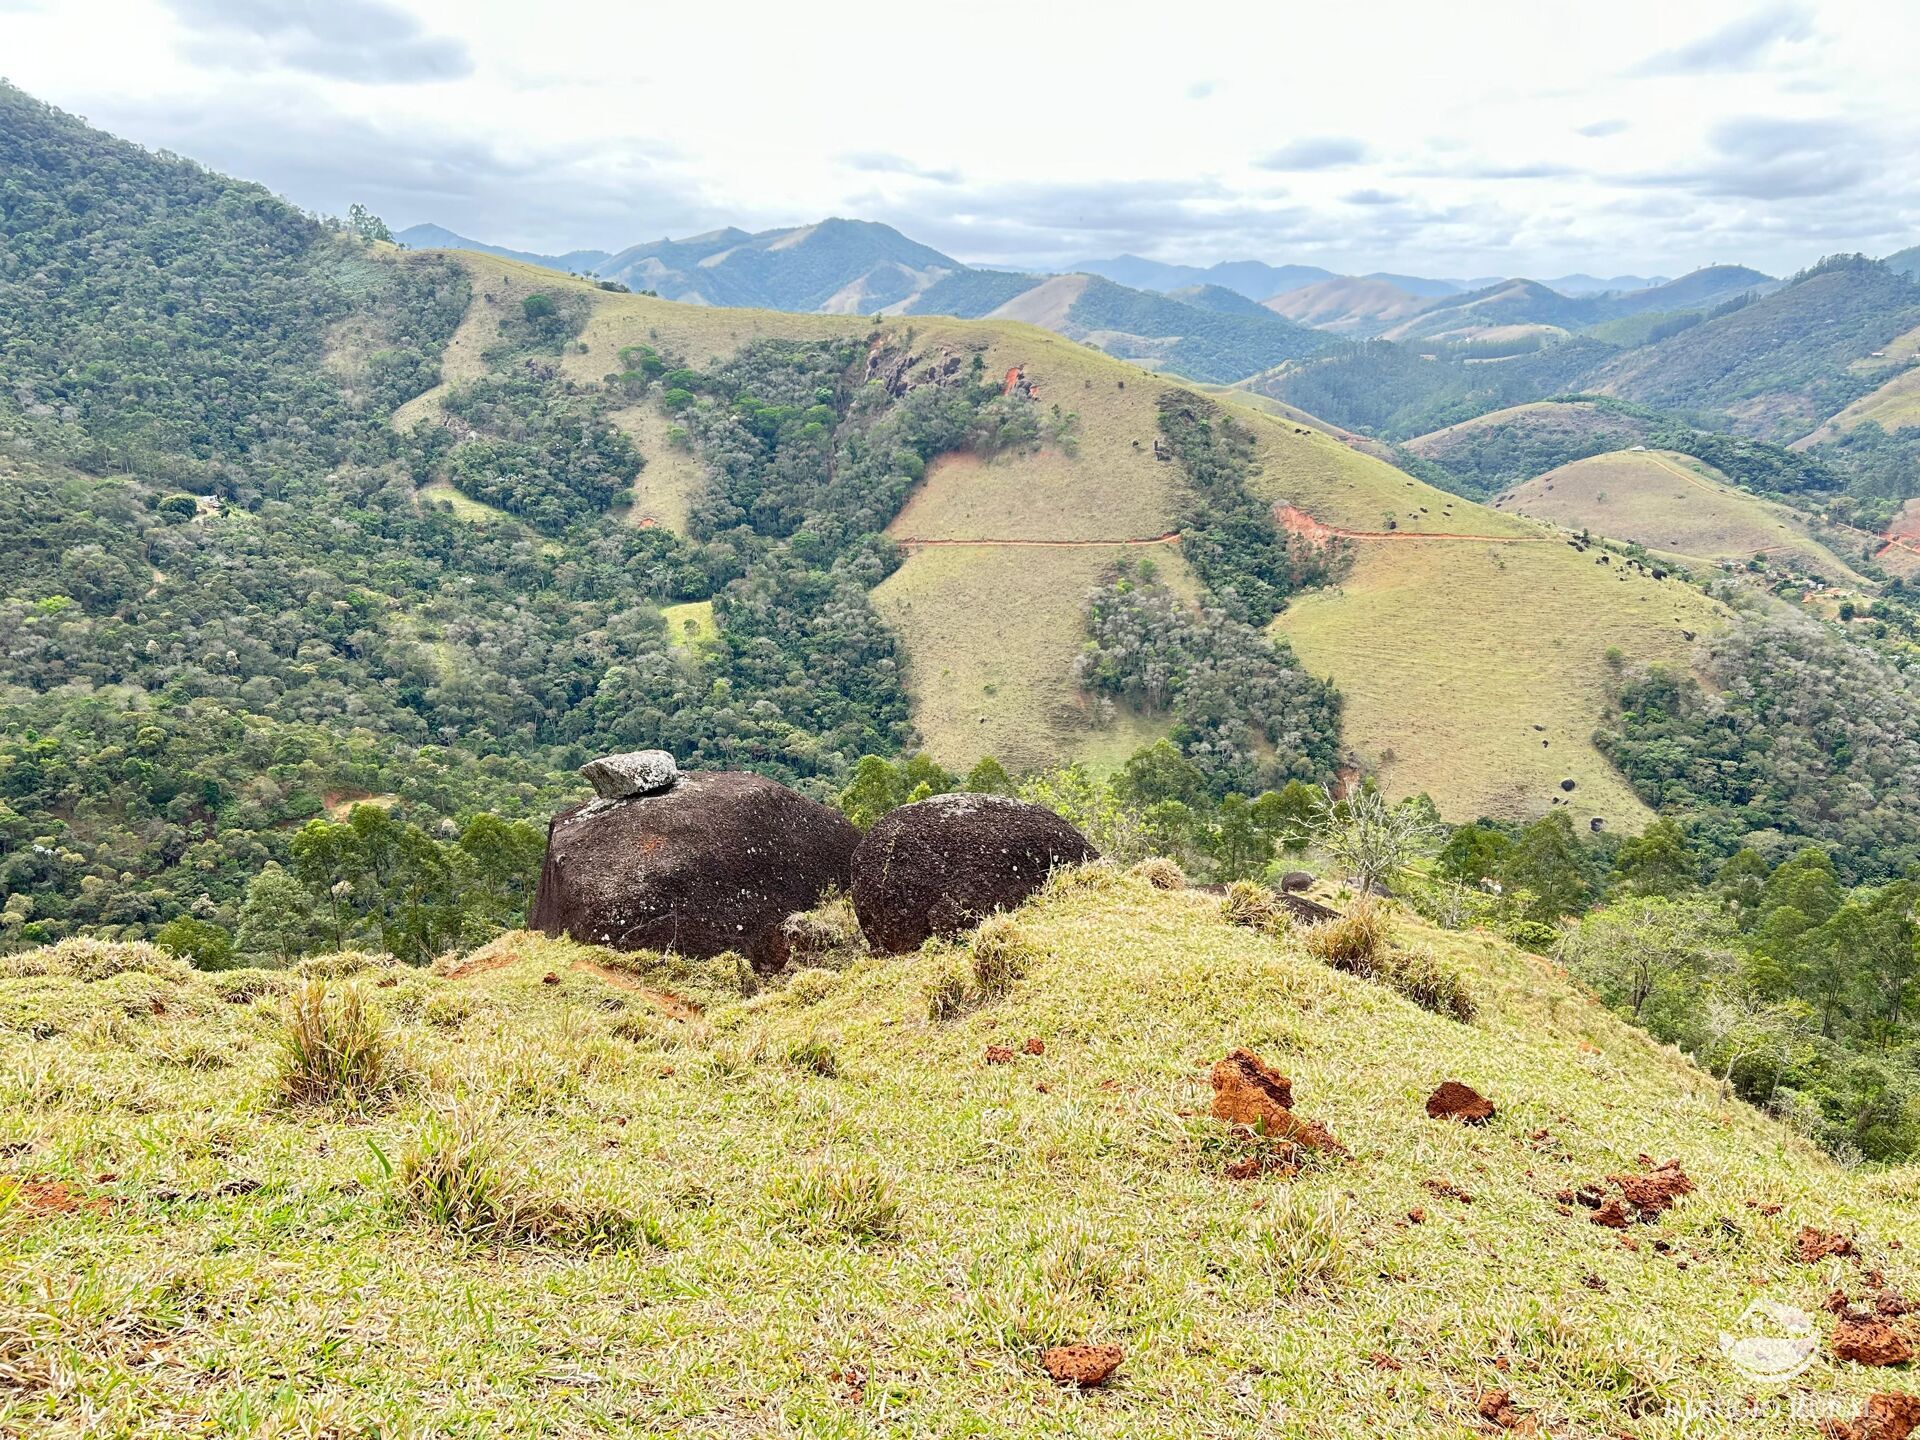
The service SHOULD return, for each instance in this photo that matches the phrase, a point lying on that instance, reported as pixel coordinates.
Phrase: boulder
(715, 863)
(1295, 881)
(638, 772)
(941, 866)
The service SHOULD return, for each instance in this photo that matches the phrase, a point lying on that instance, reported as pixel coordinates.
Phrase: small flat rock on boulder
(715, 863)
(638, 772)
(941, 866)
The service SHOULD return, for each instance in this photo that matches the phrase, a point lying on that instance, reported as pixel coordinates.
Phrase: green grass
(691, 625)
(1674, 504)
(673, 1227)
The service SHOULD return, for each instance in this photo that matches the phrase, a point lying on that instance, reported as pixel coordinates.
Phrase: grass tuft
(829, 1201)
(1256, 907)
(948, 993)
(815, 1056)
(458, 1177)
(1420, 975)
(1002, 954)
(1352, 941)
(1161, 873)
(336, 1050)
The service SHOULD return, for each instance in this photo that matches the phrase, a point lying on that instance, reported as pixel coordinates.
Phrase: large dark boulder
(714, 863)
(940, 866)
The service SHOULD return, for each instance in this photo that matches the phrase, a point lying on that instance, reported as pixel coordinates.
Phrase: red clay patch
(1870, 1342)
(1035, 1046)
(1081, 1365)
(1887, 1416)
(53, 1197)
(1247, 1091)
(674, 1007)
(1811, 1246)
(1498, 1406)
(999, 1055)
(1454, 1101)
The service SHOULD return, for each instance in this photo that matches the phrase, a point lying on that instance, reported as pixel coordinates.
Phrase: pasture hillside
(634, 1198)
(1677, 505)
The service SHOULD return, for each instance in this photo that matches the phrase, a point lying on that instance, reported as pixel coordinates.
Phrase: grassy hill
(1677, 505)
(816, 1210)
(1495, 450)
(1348, 305)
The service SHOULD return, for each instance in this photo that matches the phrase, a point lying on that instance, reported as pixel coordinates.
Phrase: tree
(1651, 957)
(1474, 853)
(365, 224)
(1370, 839)
(274, 920)
(1658, 861)
(988, 776)
(1546, 860)
(201, 943)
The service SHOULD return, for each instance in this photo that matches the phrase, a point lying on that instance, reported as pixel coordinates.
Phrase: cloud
(1315, 152)
(1742, 44)
(1600, 129)
(371, 41)
(1370, 197)
(879, 162)
(1201, 89)
(1766, 157)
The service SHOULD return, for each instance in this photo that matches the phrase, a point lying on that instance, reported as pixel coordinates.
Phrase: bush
(335, 1049)
(1002, 954)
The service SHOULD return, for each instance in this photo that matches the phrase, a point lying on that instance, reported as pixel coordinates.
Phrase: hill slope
(1674, 504)
(817, 1208)
(1349, 306)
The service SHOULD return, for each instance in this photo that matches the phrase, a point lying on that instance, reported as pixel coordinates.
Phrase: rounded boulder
(715, 863)
(941, 866)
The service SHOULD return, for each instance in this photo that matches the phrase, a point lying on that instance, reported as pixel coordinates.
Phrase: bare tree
(1372, 840)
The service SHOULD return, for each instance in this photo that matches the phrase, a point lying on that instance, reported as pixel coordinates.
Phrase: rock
(1081, 1365)
(1247, 1091)
(1887, 1416)
(1454, 1101)
(638, 772)
(717, 863)
(1870, 1342)
(1294, 881)
(941, 866)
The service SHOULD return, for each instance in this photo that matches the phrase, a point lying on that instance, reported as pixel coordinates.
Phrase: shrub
(1002, 954)
(1256, 907)
(828, 1201)
(457, 1177)
(335, 1049)
(1352, 941)
(1161, 873)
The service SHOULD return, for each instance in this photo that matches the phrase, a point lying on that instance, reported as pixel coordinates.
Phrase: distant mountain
(1578, 284)
(1250, 278)
(1350, 306)
(1530, 303)
(1420, 285)
(437, 237)
(1711, 286)
(1906, 262)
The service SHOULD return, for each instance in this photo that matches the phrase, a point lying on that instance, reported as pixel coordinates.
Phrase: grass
(335, 1049)
(918, 1217)
(1674, 504)
(690, 626)
(1478, 672)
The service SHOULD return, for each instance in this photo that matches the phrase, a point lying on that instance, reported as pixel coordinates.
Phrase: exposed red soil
(1447, 1190)
(1870, 1342)
(54, 1197)
(1247, 1091)
(1887, 1416)
(1642, 1196)
(675, 1007)
(999, 1055)
(1081, 1365)
(1498, 1406)
(1455, 1101)
(1383, 1361)
(1035, 1045)
(480, 965)
(1172, 537)
(1655, 1190)
(1282, 1160)
(1296, 521)
(1811, 1246)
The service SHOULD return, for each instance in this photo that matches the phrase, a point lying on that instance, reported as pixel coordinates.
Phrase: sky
(1490, 137)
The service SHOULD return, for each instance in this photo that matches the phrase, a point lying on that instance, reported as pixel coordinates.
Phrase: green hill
(818, 1209)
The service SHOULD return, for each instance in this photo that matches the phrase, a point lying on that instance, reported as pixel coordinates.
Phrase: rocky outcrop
(941, 866)
(716, 862)
(638, 772)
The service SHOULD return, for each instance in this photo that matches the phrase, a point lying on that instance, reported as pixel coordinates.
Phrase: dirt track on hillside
(1172, 537)
(1297, 522)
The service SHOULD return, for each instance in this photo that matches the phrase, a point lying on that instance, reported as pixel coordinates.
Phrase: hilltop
(661, 1203)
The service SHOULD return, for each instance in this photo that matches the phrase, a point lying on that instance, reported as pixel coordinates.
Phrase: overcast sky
(1490, 137)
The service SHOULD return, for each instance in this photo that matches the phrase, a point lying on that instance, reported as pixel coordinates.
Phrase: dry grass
(1255, 906)
(336, 1049)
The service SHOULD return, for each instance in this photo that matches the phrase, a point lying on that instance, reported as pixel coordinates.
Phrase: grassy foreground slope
(822, 1214)
(1675, 504)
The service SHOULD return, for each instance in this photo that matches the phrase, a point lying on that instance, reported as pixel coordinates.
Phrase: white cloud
(612, 122)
